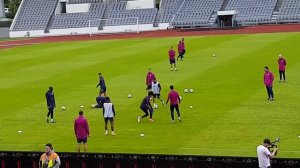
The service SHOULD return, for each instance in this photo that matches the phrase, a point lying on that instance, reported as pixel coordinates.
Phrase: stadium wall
(98, 160)
(86, 30)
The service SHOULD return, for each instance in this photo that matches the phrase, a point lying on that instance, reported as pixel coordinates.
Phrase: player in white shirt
(156, 88)
(109, 115)
(264, 155)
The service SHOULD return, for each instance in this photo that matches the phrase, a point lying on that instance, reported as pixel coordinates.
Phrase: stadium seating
(34, 15)
(118, 15)
(79, 20)
(196, 13)
(168, 9)
(254, 11)
(289, 11)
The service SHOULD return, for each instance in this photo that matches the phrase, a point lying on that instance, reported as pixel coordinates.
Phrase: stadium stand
(252, 12)
(197, 13)
(289, 11)
(168, 9)
(118, 10)
(78, 20)
(34, 15)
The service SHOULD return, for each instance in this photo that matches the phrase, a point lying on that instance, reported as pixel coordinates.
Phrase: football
(155, 106)
(63, 108)
(191, 90)
(186, 90)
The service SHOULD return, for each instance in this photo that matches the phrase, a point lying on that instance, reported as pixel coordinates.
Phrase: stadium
(226, 111)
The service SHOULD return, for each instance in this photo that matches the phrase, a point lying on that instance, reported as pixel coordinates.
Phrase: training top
(173, 97)
(108, 110)
(50, 99)
(263, 156)
(101, 83)
(172, 54)
(81, 127)
(268, 78)
(146, 103)
(155, 87)
(281, 64)
(150, 77)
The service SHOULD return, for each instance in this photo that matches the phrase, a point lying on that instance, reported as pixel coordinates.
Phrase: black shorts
(84, 140)
(103, 90)
(110, 119)
(172, 61)
(156, 95)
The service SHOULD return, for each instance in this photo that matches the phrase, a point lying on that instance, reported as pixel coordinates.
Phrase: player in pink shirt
(281, 67)
(268, 81)
(82, 131)
(174, 99)
(149, 79)
(172, 60)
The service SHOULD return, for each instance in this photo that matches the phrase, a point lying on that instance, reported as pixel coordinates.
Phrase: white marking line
(20, 44)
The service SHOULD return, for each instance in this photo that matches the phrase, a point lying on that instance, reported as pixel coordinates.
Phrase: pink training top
(179, 47)
(182, 45)
(81, 127)
(172, 54)
(173, 97)
(281, 64)
(268, 78)
(150, 77)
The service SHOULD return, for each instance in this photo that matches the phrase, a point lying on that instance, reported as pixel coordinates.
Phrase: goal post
(115, 25)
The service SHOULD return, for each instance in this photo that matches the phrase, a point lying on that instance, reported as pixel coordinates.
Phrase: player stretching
(172, 54)
(146, 107)
(156, 88)
(102, 85)
(174, 103)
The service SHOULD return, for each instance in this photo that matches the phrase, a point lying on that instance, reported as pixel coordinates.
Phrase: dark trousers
(147, 110)
(282, 74)
(50, 112)
(172, 107)
(270, 92)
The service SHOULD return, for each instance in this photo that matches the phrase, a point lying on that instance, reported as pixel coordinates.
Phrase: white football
(63, 108)
(186, 90)
(129, 95)
(81, 106)
(191, 90)
(155, 106)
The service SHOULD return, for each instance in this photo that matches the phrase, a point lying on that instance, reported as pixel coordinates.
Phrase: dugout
(226, 18)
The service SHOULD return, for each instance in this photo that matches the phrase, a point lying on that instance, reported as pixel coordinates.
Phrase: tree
(13, 6)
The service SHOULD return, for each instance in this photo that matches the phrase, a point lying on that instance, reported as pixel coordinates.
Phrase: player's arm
(272, 155)
(75, 126)
(54, 104)
(168, 99)
(87, 128)
(159, 87)
(179, 100)
(149, 104)
(113, 109)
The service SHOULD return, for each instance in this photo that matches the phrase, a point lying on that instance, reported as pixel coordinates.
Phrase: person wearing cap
(281, 67)
(49, 159)
(264, 155)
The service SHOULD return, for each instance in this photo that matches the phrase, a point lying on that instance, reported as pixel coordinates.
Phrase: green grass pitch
(231, 115)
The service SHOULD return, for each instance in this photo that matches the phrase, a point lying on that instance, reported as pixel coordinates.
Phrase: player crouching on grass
(100, 100)
(156, 88)
(146, 107)
(109, 115)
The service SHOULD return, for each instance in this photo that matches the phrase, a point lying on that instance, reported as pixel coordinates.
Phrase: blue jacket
(50, 99)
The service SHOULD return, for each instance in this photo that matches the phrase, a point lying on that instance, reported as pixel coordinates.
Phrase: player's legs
(271, 92)
(49, 113)
(177, 110)
(145, 110)
(158, 97)
(283, 73)
(84, 141)
(172, 112)
(78, 144)
(151, 114)
(112, 126)
(175, 66)
(280, 76)
(105, 125)
(268, 92)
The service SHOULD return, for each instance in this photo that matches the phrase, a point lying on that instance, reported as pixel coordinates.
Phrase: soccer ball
(129, 95)
(155, 106)
(214, 55)
(63, 108)
(191, 90)
(186, 90)
(81, 106)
